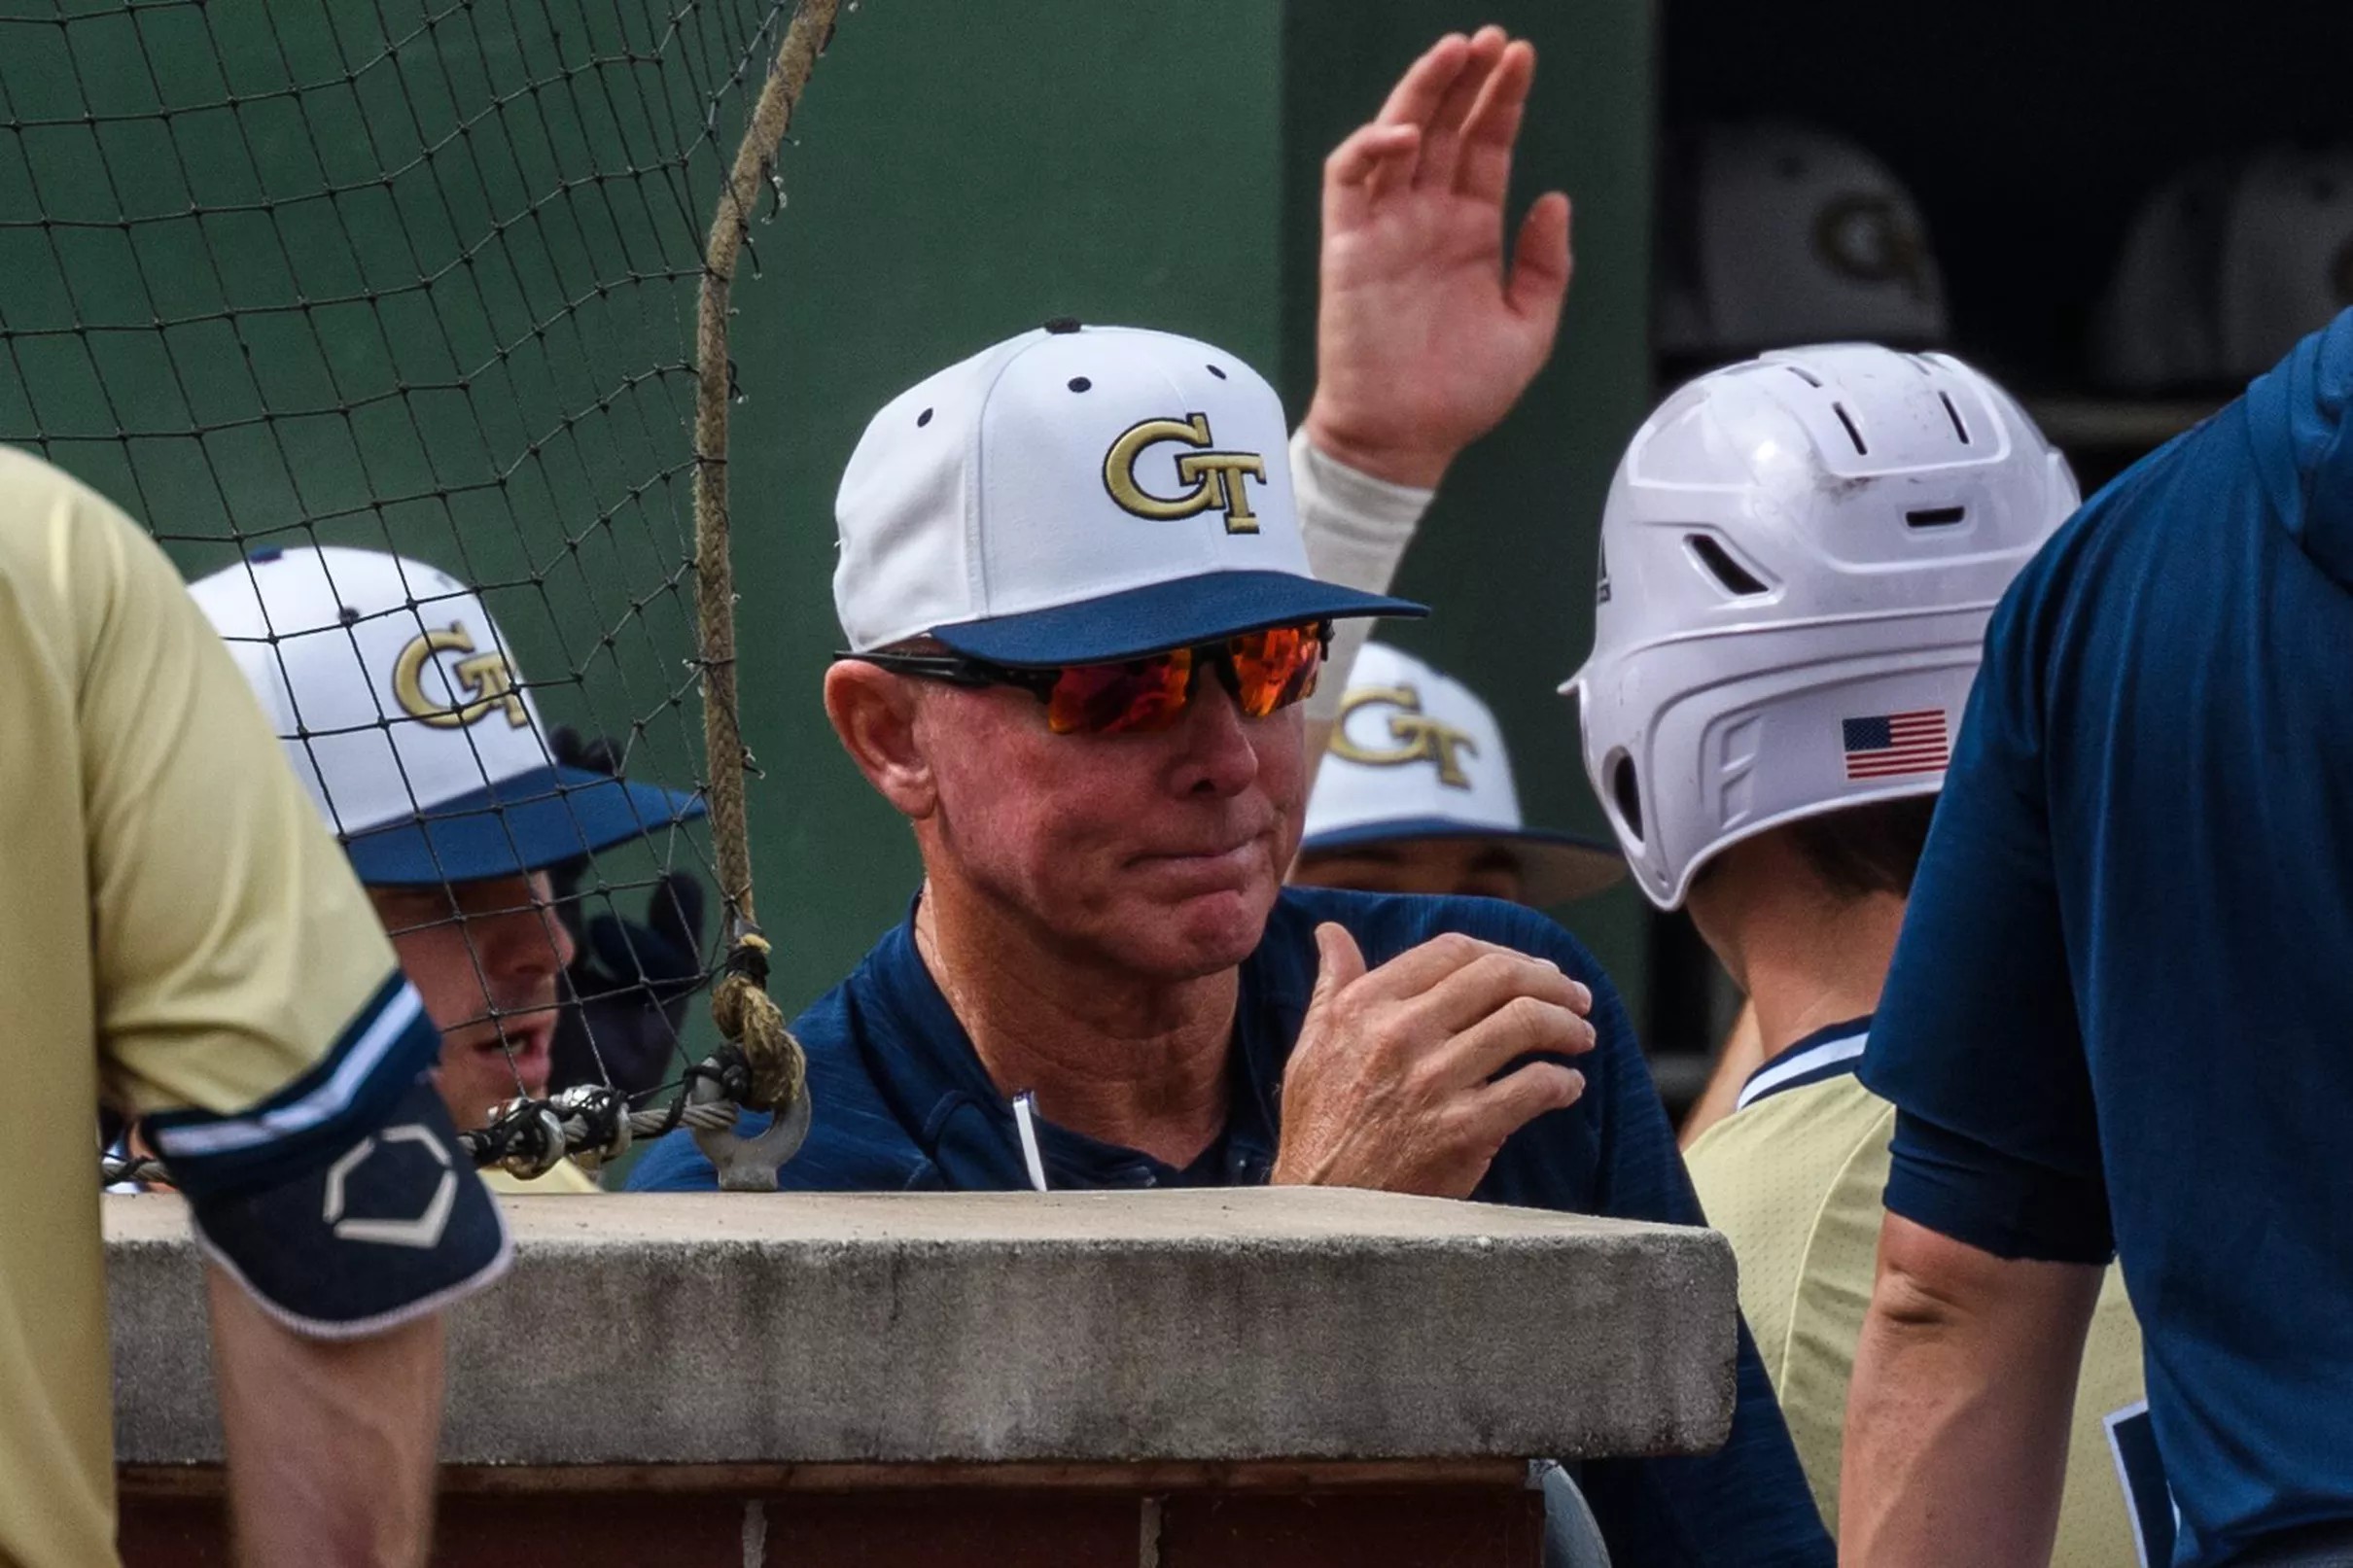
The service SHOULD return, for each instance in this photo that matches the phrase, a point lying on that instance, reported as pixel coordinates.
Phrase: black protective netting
(413, 277)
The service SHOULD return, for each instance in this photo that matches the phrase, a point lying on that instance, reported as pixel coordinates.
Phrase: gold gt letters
(1420, 737)
(487, 680)
(1217, 477)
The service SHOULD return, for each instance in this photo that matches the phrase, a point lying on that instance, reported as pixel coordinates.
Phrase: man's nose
(1219, 757)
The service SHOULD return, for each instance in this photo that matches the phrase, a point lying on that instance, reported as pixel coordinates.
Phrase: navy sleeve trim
(1996, 1203)
(343, 1094)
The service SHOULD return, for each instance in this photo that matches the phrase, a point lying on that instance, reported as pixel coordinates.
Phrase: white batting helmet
(2225, 267)
(1775, 233)
(1799, 557)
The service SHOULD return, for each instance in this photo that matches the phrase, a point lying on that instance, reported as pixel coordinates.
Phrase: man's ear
(873, 712)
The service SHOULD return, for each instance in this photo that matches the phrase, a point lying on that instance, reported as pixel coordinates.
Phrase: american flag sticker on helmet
(1884, 746)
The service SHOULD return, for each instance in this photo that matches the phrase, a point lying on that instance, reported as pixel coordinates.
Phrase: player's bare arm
(1967, 1366)
(1425, 337)
(1398, 1080)
(332, 1441)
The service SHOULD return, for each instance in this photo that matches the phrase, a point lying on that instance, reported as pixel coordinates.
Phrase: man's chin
(1203, 935)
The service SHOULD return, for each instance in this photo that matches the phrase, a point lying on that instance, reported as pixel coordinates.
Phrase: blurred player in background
(401, 710)
(1415, 795)
(1801, 554)
(198, 954)
(2116, 1019)
(1079, 611)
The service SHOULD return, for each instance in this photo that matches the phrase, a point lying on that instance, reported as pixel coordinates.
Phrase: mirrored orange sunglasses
(1263, 671)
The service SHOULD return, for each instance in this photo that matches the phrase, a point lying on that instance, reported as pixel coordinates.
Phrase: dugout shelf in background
(1296, 1377)
(2030, 133)
(2129, 425)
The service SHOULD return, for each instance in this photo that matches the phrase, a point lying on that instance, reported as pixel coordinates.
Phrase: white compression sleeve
(1356, 528)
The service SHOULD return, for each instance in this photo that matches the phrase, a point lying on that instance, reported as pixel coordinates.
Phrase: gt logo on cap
(1217, 477)
(1422, 739)
(487, 680)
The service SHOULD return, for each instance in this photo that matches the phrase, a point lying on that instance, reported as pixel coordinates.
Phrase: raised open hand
(1424, 339)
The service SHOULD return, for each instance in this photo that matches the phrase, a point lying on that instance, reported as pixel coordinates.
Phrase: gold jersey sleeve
(179, 931)
(1794, 1181)
(231, 941)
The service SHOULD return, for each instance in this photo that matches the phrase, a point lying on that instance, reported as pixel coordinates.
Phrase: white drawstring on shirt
(1025, 1119)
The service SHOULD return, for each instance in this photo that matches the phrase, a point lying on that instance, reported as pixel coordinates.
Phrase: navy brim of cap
(525, 823)
(1164, 615)
(1554, 867)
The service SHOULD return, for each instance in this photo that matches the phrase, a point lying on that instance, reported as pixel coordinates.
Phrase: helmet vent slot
(1803, 375)
(1734, 579)
(1953, 414)
(1853, 433)
(1626, 791)
(1936, 516)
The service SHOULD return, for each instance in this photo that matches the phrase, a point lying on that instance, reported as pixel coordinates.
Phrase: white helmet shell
(2225, 267)
(1775, 233)
(1799, 556)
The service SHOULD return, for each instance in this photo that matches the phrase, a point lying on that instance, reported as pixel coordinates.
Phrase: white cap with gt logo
(1078, 495)
(404, 714)
(1416, 754)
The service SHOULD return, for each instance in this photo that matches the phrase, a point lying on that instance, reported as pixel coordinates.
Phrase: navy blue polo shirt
(904, 1102)
(2121, 1011)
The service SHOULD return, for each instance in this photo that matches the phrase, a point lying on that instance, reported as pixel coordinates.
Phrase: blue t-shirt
(904, 1102)
(2121, 1015)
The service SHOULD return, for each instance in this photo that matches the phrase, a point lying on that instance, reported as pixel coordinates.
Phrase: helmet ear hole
(1625, 793)
(1719, 563)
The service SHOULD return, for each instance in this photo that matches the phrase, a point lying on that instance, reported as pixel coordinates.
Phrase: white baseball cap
(1417, 755)
(404, 715)
(1775, 234)
(1074, 495)
(2225, 267)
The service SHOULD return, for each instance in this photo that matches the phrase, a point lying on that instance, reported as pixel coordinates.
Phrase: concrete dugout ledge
(1147, 1329)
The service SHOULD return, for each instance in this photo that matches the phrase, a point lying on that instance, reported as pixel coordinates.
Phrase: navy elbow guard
(344, 1203)
(393, 1227)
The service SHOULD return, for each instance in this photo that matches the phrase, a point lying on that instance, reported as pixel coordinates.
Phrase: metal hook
(749, 1165)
